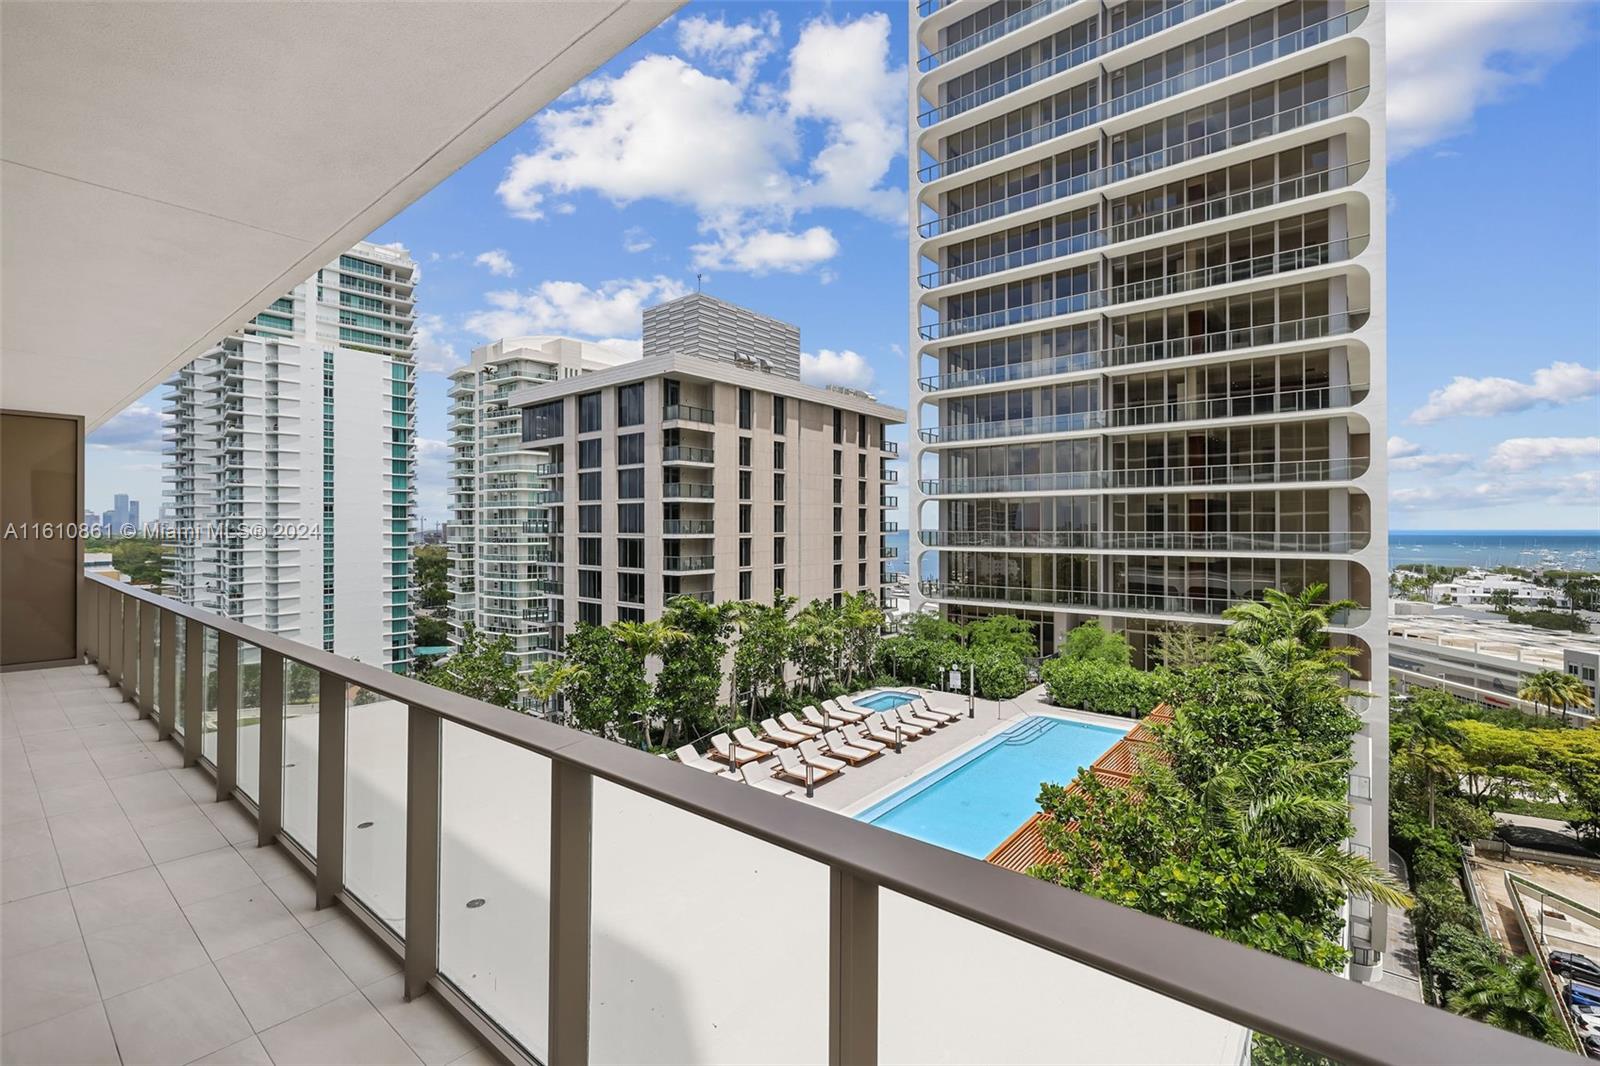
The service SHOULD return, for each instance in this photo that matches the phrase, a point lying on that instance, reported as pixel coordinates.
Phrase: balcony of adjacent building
(1217, 136)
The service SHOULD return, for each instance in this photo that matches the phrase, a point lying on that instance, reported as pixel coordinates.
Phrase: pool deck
(858, 787)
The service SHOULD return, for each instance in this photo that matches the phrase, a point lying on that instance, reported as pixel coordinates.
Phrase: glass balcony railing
(1153, 477)
(683, 412)
(688, 490)
(678, 527)
(1195, 148)
(992, 32)
(1163, 602)
(495, 857)
(1281, 262)
(688, 563)
(1144, 540)
(683, 454)
(1257, 336)
(1254, 198)
(1067, 60)
(1244, 405)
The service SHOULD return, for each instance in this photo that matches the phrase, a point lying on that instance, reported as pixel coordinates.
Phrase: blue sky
(763, 149)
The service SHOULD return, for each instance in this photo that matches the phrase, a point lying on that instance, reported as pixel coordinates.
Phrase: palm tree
(1573, 693)
(1430, 746)
(1278, 615)
(643, 640)
(1510, 997)
(550, 678)
(1545, 687)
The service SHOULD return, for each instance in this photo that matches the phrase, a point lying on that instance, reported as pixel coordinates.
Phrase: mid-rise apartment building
(1148, 319)
(307, 408)
(688, 473)
(501, 486)
(704, 325)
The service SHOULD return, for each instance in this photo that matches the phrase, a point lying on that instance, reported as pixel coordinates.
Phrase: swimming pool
(883, 701)
(974, 802)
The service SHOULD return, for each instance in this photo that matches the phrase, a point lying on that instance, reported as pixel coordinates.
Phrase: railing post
(269, 798)
(852, 970)
(330, 788)
(102, 640)
(227, 714)
(167, 705)
(423, 802)
(194, 675)
(130, 645)
(571, 821)
(85, 634)
(113, 638)
(149, 618)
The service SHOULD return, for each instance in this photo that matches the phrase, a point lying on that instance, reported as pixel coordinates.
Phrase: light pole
(972, 689)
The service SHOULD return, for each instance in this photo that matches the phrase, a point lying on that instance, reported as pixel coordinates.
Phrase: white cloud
(1399, 447)
(763, 250)
(498, 262)
(435, 354)
(1446, 60)
(635, 239)
(1526, 453)
(745, 157)
(737, 49)
(633, 346)
(1440, 464)
(828, 367)
(136, 428)
(610, 309)
(1575, 490)
(1554, 386)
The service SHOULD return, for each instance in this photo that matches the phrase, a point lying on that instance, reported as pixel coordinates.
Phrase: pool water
(883, 701)
(974, 802)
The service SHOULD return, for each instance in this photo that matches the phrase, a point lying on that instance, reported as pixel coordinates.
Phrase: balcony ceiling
(171, 168)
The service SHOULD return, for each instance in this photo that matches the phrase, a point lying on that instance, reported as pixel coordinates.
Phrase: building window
(861, 519)
(630, 449)
(777, 455)
(744, 451)
(588, 551)
(589, 584)
(780, 414)
(777, 519)
(744, 484)
(589, 413)
(777, 581)
(630, 614)
(744, 551)
(838, 576)
(838, 491)
(861, 492)
(630, 518)
(630, 484)
(589, 485)
(746, 408)
(777, 486)
(630, 405)
(861, 546)
(838, 463)
(542, 420)
(630, 553)
(777, 550)
(861, 465)
(589, 453)
(861, 574)
(861, 430)
(744, 584)
(589, 518)
(838, 548)
(744, 518)
(630, 588)
(589, 613)
(838, 519)
(838, 426)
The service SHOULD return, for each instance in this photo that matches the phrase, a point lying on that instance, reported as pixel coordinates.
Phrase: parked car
(1572, 964)
(1591, 1046)
(1583, 997)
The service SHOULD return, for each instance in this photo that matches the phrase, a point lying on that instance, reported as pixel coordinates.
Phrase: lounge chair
(813, 718)
(806, 773)
(851, 754)
(920, 708)
(906, 714)
(690, 757)
(837, 710)
(879, 724)
(779, 735)
(857, 737)
(793, 725)
(811, 752)
(761, 777)
(748, 739)
(724, 749)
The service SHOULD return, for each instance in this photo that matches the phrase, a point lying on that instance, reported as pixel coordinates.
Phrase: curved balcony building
(1147, 305)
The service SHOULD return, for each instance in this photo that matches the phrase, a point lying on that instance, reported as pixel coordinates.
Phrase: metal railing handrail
(1195, 148)
(1179, 475)
(992, 32)
(1306, 1007)
(1146, 540)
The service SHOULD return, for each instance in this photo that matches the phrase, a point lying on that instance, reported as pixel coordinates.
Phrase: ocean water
(1560, 549)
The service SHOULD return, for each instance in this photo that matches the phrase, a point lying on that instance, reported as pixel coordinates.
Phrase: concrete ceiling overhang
(168, 169)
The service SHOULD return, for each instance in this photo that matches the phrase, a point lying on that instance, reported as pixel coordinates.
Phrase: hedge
(1105, 687)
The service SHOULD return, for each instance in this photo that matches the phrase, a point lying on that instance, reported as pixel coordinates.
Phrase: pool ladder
(1028, 733)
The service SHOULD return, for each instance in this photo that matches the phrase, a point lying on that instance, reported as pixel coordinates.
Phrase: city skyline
(1479, 440)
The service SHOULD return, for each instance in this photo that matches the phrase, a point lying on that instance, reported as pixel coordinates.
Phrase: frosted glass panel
(494, 881)
(375, 805)
(1030, 1005)
(300, 754)
(208, 691)
(708, 946)
(249, 771)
